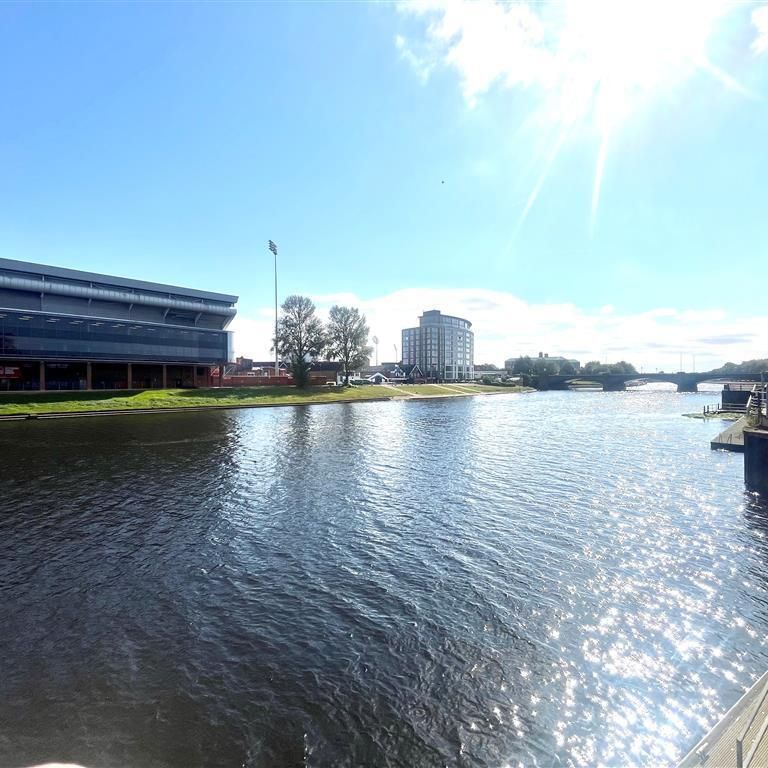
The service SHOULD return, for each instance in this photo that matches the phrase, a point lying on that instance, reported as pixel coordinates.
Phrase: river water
(547, 579)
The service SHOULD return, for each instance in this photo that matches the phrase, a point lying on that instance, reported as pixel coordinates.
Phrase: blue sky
(393, 152)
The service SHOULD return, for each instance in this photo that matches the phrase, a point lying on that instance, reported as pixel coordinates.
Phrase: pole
(277, 361)
(273, 248)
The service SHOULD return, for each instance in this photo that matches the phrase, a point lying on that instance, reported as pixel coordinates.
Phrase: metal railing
(740, 761)
(714, 410)
(757, 406)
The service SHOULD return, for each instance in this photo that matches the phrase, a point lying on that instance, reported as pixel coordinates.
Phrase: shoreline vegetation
(15, 405)
(721, 415)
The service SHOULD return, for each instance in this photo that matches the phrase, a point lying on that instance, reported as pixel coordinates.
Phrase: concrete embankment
(756, 459)
(732, 438)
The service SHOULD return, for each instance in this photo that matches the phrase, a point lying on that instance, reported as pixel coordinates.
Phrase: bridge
(617, 382)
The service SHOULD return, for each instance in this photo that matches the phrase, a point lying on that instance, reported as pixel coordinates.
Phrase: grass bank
(69, 402)
(19, 403)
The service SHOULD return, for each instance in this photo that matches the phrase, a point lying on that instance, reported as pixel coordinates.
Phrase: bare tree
(348, 338)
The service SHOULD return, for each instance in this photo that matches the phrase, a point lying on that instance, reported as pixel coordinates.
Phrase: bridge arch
(616, 382)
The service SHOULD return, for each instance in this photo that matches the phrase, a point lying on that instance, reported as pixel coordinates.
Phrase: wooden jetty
(739, 739)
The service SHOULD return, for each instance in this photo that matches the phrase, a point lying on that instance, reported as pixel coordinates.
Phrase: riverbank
(15, 405)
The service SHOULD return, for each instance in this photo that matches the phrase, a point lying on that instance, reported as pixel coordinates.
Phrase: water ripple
(562, 578)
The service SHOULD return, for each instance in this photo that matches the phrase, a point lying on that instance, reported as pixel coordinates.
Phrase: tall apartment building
(442, 346)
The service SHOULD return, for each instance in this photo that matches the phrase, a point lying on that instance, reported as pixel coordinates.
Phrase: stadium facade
(67, 329)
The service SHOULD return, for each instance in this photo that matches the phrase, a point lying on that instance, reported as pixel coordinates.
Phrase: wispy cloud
(507, 326)
(725, 338)
(588, 52)
(485, 42)
(760, 22)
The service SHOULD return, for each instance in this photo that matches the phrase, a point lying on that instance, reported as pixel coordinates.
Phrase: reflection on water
(559, 578)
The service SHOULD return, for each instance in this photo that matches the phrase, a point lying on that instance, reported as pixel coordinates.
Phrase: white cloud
(421, 66)
(507, 326)
(760, 22)
(588, 65)
(484, 42)
(594, 55)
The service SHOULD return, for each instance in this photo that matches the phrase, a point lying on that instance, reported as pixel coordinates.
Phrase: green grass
(13, 403)
(68, 402)
(472, 388)
(445, 390)
(419, 389)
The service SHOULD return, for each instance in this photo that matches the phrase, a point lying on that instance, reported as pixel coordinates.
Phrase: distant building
(267, 368)
(509, 363)
(491, 371)
(324, 371)
(394, 373)
(442, 346)
(243, 364)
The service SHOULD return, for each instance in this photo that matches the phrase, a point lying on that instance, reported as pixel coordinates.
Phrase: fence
(757, 406)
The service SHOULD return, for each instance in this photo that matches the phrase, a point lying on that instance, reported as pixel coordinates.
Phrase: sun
(592, 64)
(614, 57)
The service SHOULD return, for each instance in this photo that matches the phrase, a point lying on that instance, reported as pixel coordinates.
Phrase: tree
(621, 367)
(545, 367)
(348, 338)
(748, 366)
(567, 369)
(523, 365)
(593, 367)
(300, 336)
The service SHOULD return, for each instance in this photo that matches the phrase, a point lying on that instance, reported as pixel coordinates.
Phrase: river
(562, 578)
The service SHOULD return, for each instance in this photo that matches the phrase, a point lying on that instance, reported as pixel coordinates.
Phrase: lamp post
(273, 248)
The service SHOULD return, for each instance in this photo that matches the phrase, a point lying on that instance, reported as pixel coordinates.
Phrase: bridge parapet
(617, 382)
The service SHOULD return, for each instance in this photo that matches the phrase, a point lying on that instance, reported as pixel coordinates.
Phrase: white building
(442, 346)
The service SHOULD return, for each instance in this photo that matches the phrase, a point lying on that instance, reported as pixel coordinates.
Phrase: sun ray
(590, 65)
(730, 82)
(554, 152)
(599, 170)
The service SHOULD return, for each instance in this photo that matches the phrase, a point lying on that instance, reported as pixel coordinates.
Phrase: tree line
(748, 366)
(545, 366)
(302, 337)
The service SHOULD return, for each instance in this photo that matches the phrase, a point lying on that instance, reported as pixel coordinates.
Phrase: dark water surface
(537, 580)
